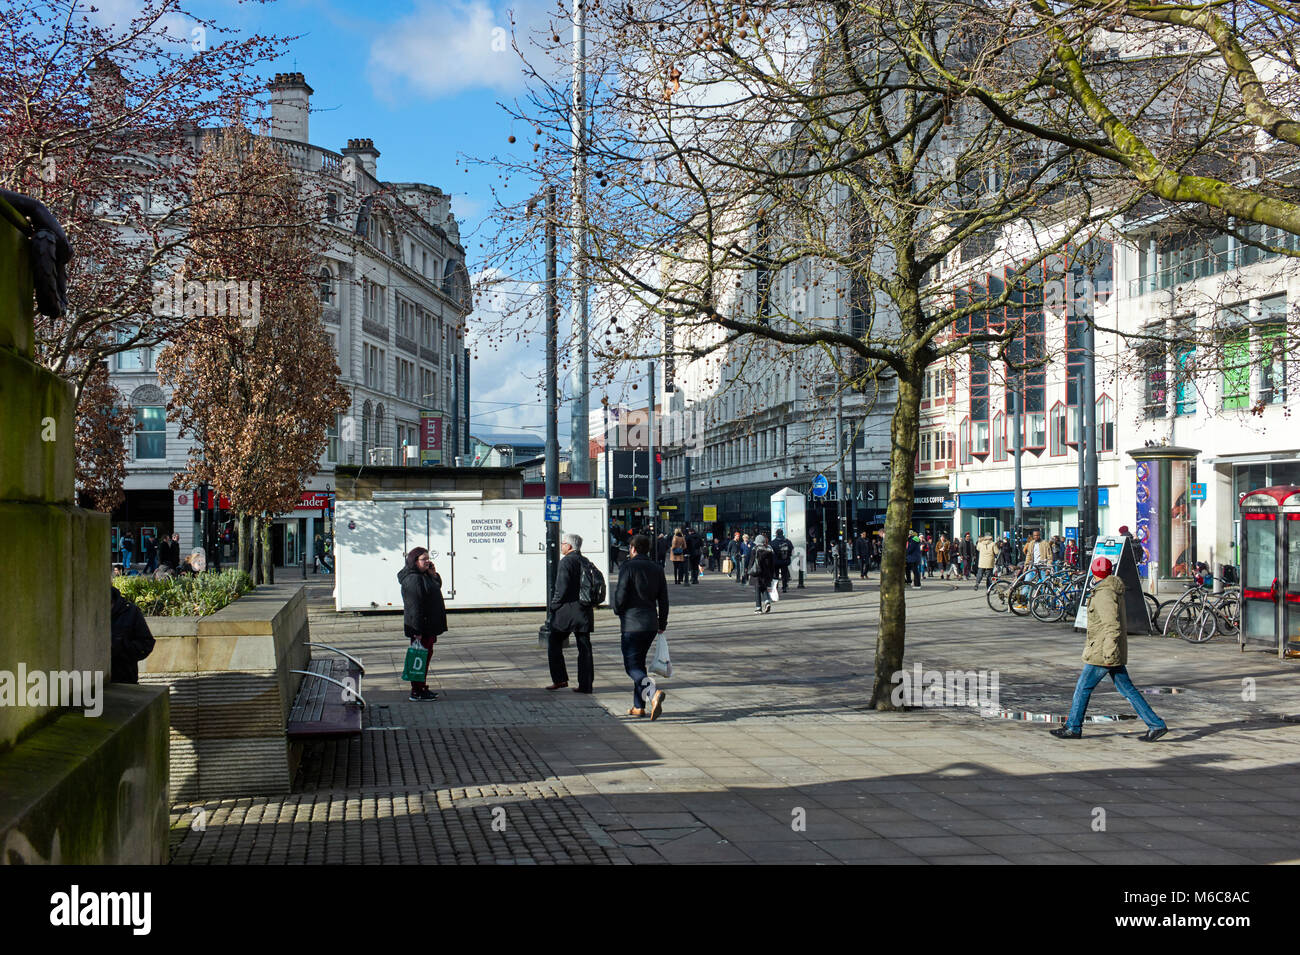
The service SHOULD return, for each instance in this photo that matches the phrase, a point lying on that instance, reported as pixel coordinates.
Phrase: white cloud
(447, 47)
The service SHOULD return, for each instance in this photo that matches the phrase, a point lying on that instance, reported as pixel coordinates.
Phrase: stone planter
(231, 692)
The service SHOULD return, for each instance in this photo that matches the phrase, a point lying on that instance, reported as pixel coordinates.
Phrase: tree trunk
(904, 431)
(255, 543)
(268, 562)
(244, 522)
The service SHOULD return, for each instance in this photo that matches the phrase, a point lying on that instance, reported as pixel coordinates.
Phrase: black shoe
(1150, 736)
(428, 695)
(1065, 732)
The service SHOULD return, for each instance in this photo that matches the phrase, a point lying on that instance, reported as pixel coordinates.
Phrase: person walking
(762, 571)
(150, 554)
(1106, 654)
(746, 552)
(1071, 554)
(677, 556)
(735, 555)
(987, 550)
(1004, 554)
(967, 555)
(641, 605)
(913, 559)
(783, 551)
(927, 554)
(569, 616)
(424, 615)
(862, 554)
(128, 553)
(694, 554)
(943, 554)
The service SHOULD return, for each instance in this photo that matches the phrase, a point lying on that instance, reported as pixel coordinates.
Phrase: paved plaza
(766, 752)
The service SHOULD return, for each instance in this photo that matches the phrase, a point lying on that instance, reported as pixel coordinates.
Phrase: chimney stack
(290, 103)
(367, 156)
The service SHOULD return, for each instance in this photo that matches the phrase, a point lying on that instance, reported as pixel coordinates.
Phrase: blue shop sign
(1050, 497)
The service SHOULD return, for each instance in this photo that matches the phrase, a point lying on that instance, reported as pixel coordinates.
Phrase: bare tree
(796, 186)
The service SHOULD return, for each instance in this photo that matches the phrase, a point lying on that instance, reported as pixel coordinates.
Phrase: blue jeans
(1088, 680)
(636, 645)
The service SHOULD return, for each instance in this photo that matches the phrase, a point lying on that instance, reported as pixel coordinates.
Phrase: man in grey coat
(641, 603)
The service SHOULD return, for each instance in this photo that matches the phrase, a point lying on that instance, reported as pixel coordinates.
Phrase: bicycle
(1018, 598)
(1221, 613)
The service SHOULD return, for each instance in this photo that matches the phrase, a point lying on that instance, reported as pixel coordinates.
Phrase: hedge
(184, 596)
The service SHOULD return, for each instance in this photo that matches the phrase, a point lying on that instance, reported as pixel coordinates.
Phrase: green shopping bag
(417, 664)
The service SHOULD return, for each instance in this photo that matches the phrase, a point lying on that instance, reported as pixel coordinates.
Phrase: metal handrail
(356, 694)
(323, 646)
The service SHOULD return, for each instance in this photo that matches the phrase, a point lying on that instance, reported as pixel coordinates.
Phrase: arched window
(999, 437)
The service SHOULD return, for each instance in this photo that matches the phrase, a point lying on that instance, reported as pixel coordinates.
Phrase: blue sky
(422, 79)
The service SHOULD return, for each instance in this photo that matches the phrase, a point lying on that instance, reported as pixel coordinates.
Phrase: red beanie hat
(1101, 567)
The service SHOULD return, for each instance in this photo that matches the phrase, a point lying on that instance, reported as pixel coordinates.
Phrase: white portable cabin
(489, 553)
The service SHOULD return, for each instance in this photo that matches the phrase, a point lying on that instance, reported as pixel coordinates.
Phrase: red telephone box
(1270, 568)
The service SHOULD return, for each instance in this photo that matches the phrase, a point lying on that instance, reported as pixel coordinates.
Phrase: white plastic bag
(661, 663)
(774, 592)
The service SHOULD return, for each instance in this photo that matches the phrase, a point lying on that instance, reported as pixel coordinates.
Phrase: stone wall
(231, 692)
(76, 785)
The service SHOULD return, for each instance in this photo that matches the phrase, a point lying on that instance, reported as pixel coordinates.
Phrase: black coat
(132, 640)
(762, 566)
(862, 548)
(641, 596)
(694, 544)
(783, 551)
(661, 548)
(569, 615)
(424, 612)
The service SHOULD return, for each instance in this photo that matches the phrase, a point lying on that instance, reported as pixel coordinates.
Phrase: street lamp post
(552, 425)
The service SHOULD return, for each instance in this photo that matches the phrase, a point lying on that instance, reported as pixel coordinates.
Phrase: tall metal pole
(1080, 520)
(1089, 436)
(853, 488)
(1015, 444)
(842, 581)
(605, 444)
(650, 441)
(579, 461)
(686, 518)
(552, 412)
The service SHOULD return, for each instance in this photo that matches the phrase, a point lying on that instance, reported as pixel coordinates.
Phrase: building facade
(394, 295)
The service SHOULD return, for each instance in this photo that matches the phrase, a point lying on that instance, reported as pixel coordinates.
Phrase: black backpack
(591, 585)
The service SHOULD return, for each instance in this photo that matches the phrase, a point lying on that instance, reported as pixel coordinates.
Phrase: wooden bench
(329, 702)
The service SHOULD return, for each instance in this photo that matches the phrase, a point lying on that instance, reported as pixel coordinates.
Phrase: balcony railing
(407, 345)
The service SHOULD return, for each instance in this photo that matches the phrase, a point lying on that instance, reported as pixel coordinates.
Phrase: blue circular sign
(820, 485)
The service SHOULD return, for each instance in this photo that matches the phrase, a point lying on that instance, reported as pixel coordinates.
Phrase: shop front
(306, 533)
(932, 510)
(1051, 511)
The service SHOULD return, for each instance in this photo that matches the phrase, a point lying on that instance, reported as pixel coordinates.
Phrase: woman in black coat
(425, 615)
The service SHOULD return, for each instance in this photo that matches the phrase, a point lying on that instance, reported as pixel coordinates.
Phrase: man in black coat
(641, 603)
(862, 554)
(967, 555)
(568, 615)
(661, 548)
(694, 554)
(132, 640)
(783, 551)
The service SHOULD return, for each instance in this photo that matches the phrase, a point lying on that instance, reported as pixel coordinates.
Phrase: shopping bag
(417, 664)
(774, 592)
(726, 565)
(661, 663)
